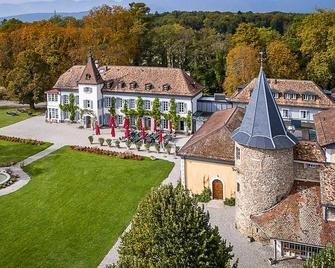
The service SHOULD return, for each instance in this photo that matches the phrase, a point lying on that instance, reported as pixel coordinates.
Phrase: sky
(16, 7)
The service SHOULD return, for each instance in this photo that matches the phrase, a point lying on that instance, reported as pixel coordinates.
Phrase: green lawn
(13, 151)
(74, 208)
(6, 120)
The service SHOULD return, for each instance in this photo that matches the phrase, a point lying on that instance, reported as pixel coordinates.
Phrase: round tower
(264, 157)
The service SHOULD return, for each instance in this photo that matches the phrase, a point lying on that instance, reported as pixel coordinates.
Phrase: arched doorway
(88, 121)
(217, 189)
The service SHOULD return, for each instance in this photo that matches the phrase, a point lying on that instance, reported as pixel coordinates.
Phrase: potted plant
(109, 142)
(168, 148)
(138, 145)
(177, 149)
(117, 144)
(128, 144)
(158, 147)
(90, 138)
(147, 147)
(101, 141)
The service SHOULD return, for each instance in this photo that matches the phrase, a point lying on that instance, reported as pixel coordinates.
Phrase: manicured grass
(15, 152)
(6, 120)
(74, 208)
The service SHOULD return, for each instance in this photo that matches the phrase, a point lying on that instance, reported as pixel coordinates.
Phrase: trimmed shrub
(147, 147)
(109, 142)
(138, 145)
(101, 141)
(157, 147)
(168, 148)
(230, 201)
(128, 144)
(117, 144)
(205, 196)
(90, 139)
(19, 140)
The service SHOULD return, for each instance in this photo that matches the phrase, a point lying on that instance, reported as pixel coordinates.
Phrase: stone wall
(327, 184)
(302, 172)
(265, 178)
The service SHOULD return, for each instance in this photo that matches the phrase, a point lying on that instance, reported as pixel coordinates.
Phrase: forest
(220, 49)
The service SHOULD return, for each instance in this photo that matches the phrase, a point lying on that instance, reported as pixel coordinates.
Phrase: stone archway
(217, 189)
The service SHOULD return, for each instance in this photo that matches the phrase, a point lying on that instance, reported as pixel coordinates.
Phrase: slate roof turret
(262, 126)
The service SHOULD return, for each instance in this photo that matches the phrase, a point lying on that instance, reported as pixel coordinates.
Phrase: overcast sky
(16, 7)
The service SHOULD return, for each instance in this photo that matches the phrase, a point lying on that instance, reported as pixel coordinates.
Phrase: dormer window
(309, 97)
(275, 94)
(166, 87)
(148, 86)
(290, 96)
(88, 77)
(133, 85)
(109, 84)
(250, 92)
(120, 84)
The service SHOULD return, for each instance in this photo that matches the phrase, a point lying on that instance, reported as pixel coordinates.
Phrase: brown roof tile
(309, 151)
(91, 74)
(298, 217)
(281, 86)
(69, 79)
(212, 140)
(328, 185)
(325, 127)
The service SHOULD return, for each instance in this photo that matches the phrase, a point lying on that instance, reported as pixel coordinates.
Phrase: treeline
(221, 50)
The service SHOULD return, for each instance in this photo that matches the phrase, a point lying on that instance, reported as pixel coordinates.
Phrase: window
(76, 99)
(166, 87)
(52, 97)
(311, 165)
(118, 103)
(290, 96)
(237, 187)
(119, 119)
(275, 95)
(148, 86)
(88, 104)
(108, 102)
(309, 97)
(164, 124)
(304, 114)
(285, 113)
(120, 84)
(133, 85)
(238, 153)
(88, 77)
(146, 105)
(181, 107)
(88, 90)
(53, 113)
(330, 216)
(65, 99)
(298, 249)
(131, 104)
(66, 115)
(132, 121)
(109, 84)
(164, 106)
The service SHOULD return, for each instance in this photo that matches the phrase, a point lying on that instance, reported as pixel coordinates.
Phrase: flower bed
(125, 155)
(19, 140)
(12, 180)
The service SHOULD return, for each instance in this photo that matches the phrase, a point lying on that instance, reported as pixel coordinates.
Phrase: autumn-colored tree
(242, 66)
(29, 79)
(281, 63)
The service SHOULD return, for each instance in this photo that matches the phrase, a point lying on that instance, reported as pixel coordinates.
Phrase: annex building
(284, 186)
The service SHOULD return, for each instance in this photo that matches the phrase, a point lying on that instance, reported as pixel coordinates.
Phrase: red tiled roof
(298, 217)
(309, 151)
(91, 74)
(325, 127)
(281, 86)
(178, 81)
(52, 91)
(328, 185)
(212, 140)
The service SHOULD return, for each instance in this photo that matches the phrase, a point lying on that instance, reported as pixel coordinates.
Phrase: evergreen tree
(325, 258)
(171, 230)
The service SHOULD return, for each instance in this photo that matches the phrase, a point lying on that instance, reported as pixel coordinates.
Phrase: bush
(171, 230)
(101, 141)
(147, 146)
(19, 140)
(109, 142)
(138, 145)
(128, 144)
(117, 144)
(177, 149)
(230, 201)
(205, 196)
(90, 139)
(168, 148)
(157, 147)
(325, 258)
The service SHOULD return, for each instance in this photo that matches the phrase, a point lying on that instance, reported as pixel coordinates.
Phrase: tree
(112, 108)
(242, 65)
(173, 113)
(325, 258)
(29, 79)
(171, 230)
(156, 112)
(281, 63)
(70, 107)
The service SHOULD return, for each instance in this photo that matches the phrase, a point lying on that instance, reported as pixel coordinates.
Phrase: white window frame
(88, 90)
(88, 104)
(309, 97)
(181, 108)
(164, 123)
(108, 102)
(303, 111)
(290, 96)
(53, 97)
(288, 113)
(66, 99)
(119, 119)
(146, 104)
(118, 103)
(53, 113)
(164, 106)
(131, 104)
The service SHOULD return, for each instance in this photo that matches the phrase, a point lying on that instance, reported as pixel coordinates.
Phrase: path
(24, 177)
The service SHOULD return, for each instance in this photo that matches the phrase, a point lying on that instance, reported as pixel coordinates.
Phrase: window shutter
(91, 104)
(185, 107)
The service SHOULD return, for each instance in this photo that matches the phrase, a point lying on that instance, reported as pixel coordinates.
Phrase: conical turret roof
(91, 73)
(262, 126)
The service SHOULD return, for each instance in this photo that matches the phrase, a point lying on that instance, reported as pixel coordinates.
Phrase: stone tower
(264, 157)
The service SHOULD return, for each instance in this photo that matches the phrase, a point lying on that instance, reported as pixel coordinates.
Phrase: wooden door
(88, 122)
(217, 187)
